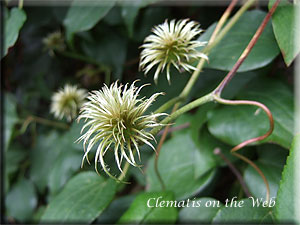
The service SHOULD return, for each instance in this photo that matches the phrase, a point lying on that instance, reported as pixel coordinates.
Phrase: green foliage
(10, 119)
(21, 200)
(180, 167)
(245, 122)
(287, 197)
(286, 30)
(81, 17)
(227, 52)
(200, 214)
(84, 197)
(143, 210)
(247, 213)
(271, 161)
(14, 20)
(43, 178)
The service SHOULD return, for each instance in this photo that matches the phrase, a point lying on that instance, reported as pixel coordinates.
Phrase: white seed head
(116, 122)
(67, 102)
(171, 43)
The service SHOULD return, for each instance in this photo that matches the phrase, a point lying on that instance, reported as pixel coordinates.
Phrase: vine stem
(200, 101)
(254, 103)
(188, 88)
(21, 2)
(42, 121)
(247, 50)
(252, 140)
(234, 170)
(125, 170)
(217, 93)
(214, 40)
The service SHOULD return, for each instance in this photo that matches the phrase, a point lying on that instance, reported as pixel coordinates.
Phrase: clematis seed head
(54, 42)
(67, 101)
(116, 122)
(171, 44)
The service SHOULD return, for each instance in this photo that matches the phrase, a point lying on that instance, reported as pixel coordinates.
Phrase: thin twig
(247, 50)
(258, 171)
(234, 170)
(217, 93)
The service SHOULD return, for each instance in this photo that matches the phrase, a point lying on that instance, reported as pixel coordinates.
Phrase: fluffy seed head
(67, 101)
(171, 43)
(116, 121)
(54, 41)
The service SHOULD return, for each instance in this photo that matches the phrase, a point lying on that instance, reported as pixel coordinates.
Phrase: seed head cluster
(67, 102)
(116, 123)
(171, 43)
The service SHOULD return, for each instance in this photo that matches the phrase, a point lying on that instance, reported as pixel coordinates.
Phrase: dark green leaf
(129, 13)
(83, 198)
(227, 52)
(144, 211)
(103, 49)
(43, 157)
(10, 118)
(63, 168)
(245, 214)
(180, 165)
(13, 23)
(202, 213)
(286, 206)
(14, 155)
(84, 16)
(255, 183)
(234, 124)
(286, 30)
(115, 210)
(21, 201)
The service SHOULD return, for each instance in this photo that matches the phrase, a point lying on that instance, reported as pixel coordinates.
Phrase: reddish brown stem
(246, 52)
(258, 104)
(234, 170)
(245, 159)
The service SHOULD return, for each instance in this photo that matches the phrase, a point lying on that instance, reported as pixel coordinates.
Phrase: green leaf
(10, 118)
(103, 48)
(202, 213)
(82, 16)
(143, 210)
(245, 214)
(180, 165)
(286, 30)
(255, 183)
(235, 124)
(63, 168)
(288, 198)
(14, 155)
(115, 210)
(225, 54)
(43, 157)
(129, 13)
(178, 81)
(21, 201)
(271, 159)
(12, 24)
(83, 198)
(53, 164)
